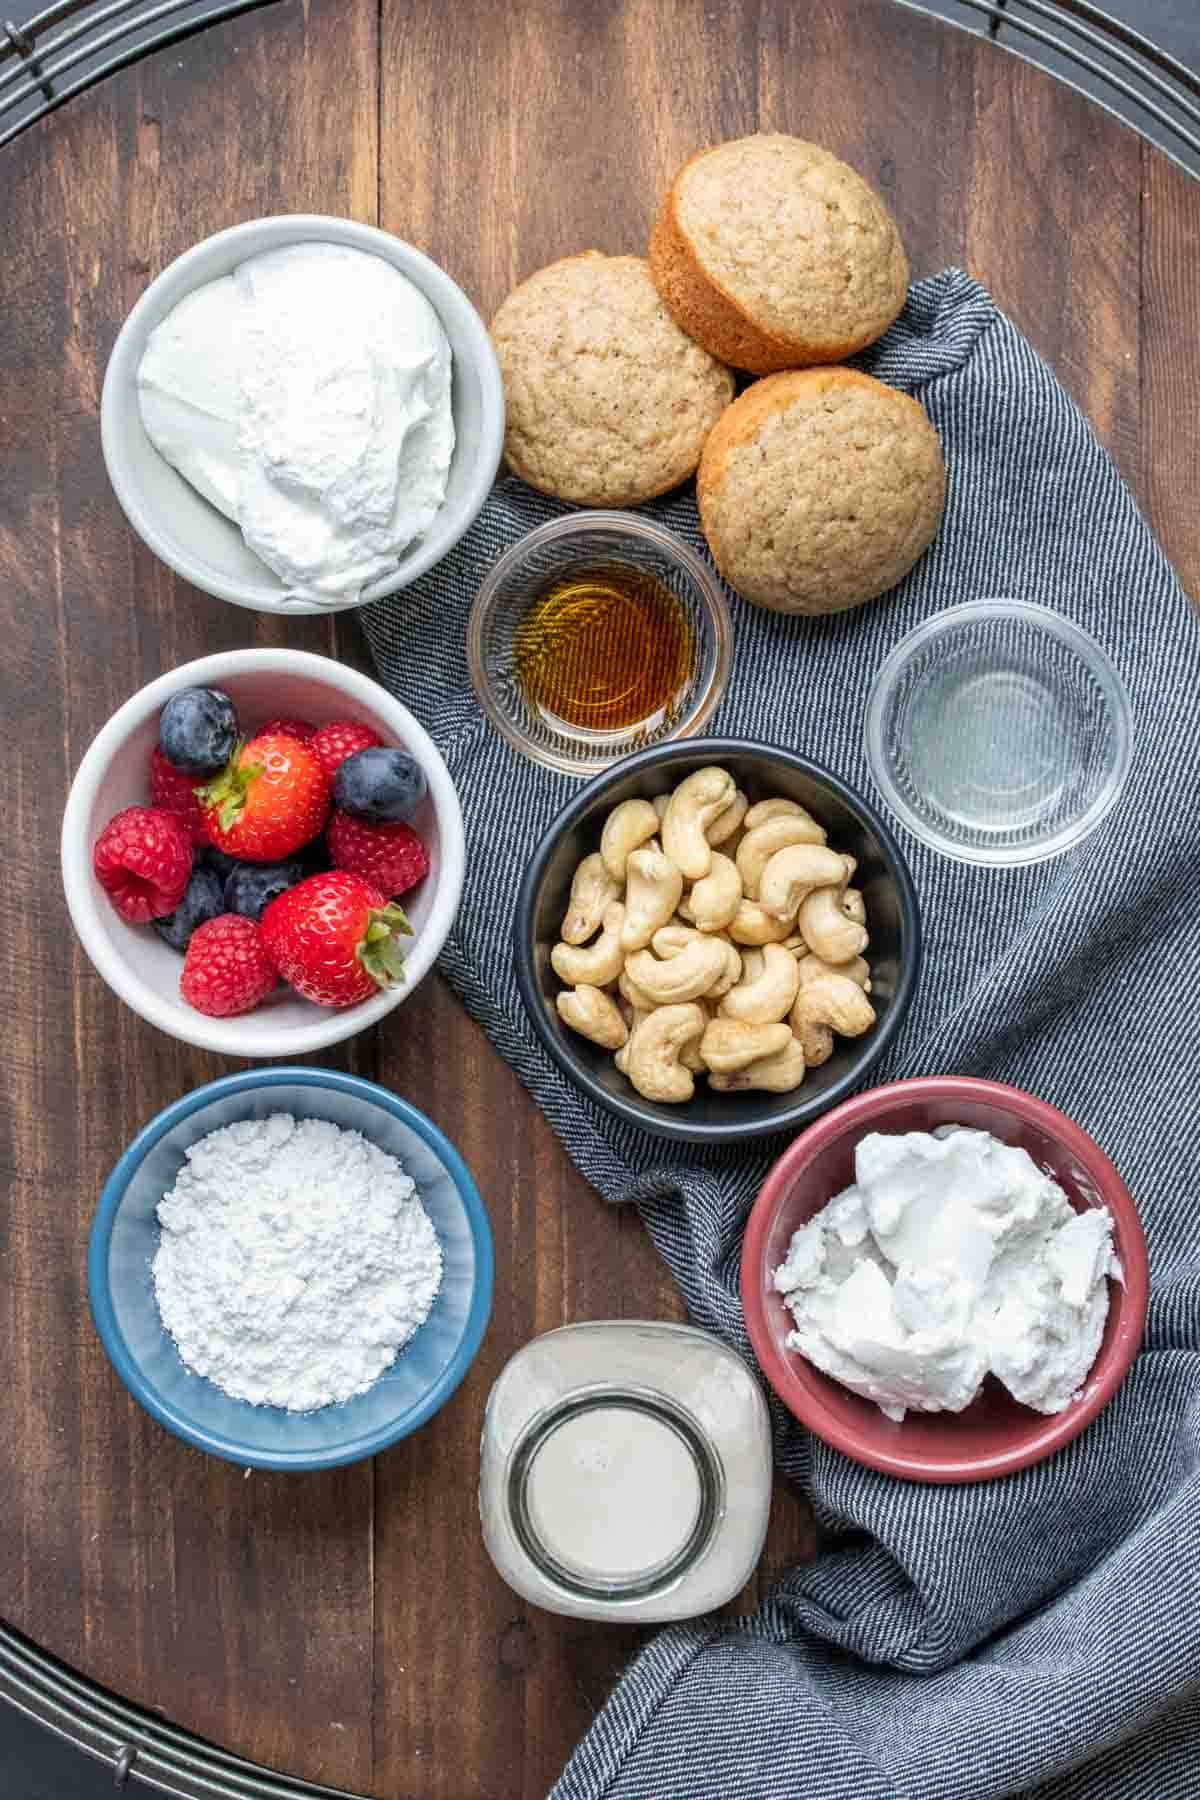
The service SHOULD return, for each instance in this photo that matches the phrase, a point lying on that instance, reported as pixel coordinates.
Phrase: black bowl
(760, 770)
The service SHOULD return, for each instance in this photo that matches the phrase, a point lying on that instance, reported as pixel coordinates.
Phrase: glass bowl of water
(999, 733)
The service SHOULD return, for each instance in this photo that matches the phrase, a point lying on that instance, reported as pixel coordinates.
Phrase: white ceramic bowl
(197, 541)
(137, 965)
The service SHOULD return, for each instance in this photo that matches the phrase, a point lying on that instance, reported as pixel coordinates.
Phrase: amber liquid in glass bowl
(605, 648)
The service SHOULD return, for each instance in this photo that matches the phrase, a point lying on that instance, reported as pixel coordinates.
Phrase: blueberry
(252, 886)
(219, 861)
(315, 856)
(203, 899)
(381, 785)
(198, 729)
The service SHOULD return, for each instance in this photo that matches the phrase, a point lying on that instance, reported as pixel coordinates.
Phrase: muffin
(819, 489)
(608, 401)
(773, 254)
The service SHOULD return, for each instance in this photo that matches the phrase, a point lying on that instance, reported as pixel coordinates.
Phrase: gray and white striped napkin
(1036, 1637)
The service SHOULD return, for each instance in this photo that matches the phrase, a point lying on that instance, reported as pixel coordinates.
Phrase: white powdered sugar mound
(295, 1260)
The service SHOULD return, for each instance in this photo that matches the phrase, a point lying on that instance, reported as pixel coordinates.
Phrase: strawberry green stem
(378, 952)
(229, 789)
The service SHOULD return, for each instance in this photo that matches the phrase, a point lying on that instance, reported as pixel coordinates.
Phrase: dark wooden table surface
(348, 1626)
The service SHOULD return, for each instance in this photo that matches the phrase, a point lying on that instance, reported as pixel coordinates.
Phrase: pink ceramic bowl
(995, 1435)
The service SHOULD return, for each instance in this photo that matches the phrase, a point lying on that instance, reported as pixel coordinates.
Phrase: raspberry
(297, 728)
(142, 859)
(226, 969)
(339, 739)
(391, 856)
(175, 792)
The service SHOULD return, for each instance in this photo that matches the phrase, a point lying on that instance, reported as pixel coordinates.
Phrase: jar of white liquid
(626, 1471)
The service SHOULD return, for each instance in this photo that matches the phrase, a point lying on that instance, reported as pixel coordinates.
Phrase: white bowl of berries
(262, 852)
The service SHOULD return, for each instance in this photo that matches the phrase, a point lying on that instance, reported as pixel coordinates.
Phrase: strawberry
(142, 860)
(339, 739)
(391, 856)
(226, 969)
(174, 792)
(272, 797)
(297, 728)
(334, 937)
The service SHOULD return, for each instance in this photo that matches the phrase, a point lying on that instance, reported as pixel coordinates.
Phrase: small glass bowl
(999, 733)
(552, 552)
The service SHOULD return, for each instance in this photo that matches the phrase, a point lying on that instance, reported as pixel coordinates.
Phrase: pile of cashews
(709, 937)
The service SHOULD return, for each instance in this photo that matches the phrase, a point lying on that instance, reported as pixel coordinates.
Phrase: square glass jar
(626, 1471)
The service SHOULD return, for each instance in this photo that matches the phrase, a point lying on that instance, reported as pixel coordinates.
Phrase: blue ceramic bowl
(427, 1370)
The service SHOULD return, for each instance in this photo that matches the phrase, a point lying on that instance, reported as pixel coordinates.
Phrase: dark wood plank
(350, 1627)
(1053, 191)
(1170, 365)
(241, 1607)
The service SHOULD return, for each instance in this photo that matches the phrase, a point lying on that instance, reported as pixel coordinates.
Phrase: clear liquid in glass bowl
(998, 732)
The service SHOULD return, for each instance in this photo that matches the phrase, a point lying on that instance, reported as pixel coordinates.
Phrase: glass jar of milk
(626, 1471)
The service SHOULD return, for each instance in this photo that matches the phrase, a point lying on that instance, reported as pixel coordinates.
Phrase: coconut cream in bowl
(301, 414)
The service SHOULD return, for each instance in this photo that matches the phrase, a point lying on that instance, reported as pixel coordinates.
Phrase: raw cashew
(727, 822)
(592, 889)
(759, 846)
(593, 1015)
(651, 1057)
(825, 928)
(687, 960)
(777, 1074)
(778, 808)
(730, 1044)
(696, 802)
(833, 1003)
(593, 965)
(713, 901)
(631, 992)
(670, 939)
(690, 1055)
(626, 828)
(674, 938)
(811, 968)
(630, 1013)
(652, 889)
(684, 977)
(769, 984)
(751, 925)
(733, 971)
(793, 873)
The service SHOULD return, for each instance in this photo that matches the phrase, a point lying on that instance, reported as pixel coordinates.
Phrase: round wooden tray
(348, 1627)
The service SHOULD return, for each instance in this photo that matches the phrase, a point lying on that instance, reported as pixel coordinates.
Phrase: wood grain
(349, 1627)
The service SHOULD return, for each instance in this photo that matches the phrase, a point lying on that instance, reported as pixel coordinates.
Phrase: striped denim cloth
(1037, 1636)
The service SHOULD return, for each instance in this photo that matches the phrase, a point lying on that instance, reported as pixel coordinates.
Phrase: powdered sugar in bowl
(436, 1294)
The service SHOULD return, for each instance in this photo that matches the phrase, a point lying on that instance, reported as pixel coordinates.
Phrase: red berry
(339, 739)
(334, 937)
(226, 969)
(272, 798)
(297, 728)
(392, 856)
(175, 792)
(142, 860)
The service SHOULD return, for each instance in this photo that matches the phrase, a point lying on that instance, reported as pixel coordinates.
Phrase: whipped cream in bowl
(301, 414)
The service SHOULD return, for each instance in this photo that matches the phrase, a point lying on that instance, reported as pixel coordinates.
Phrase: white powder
(953, 1256)
(295, 1260)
